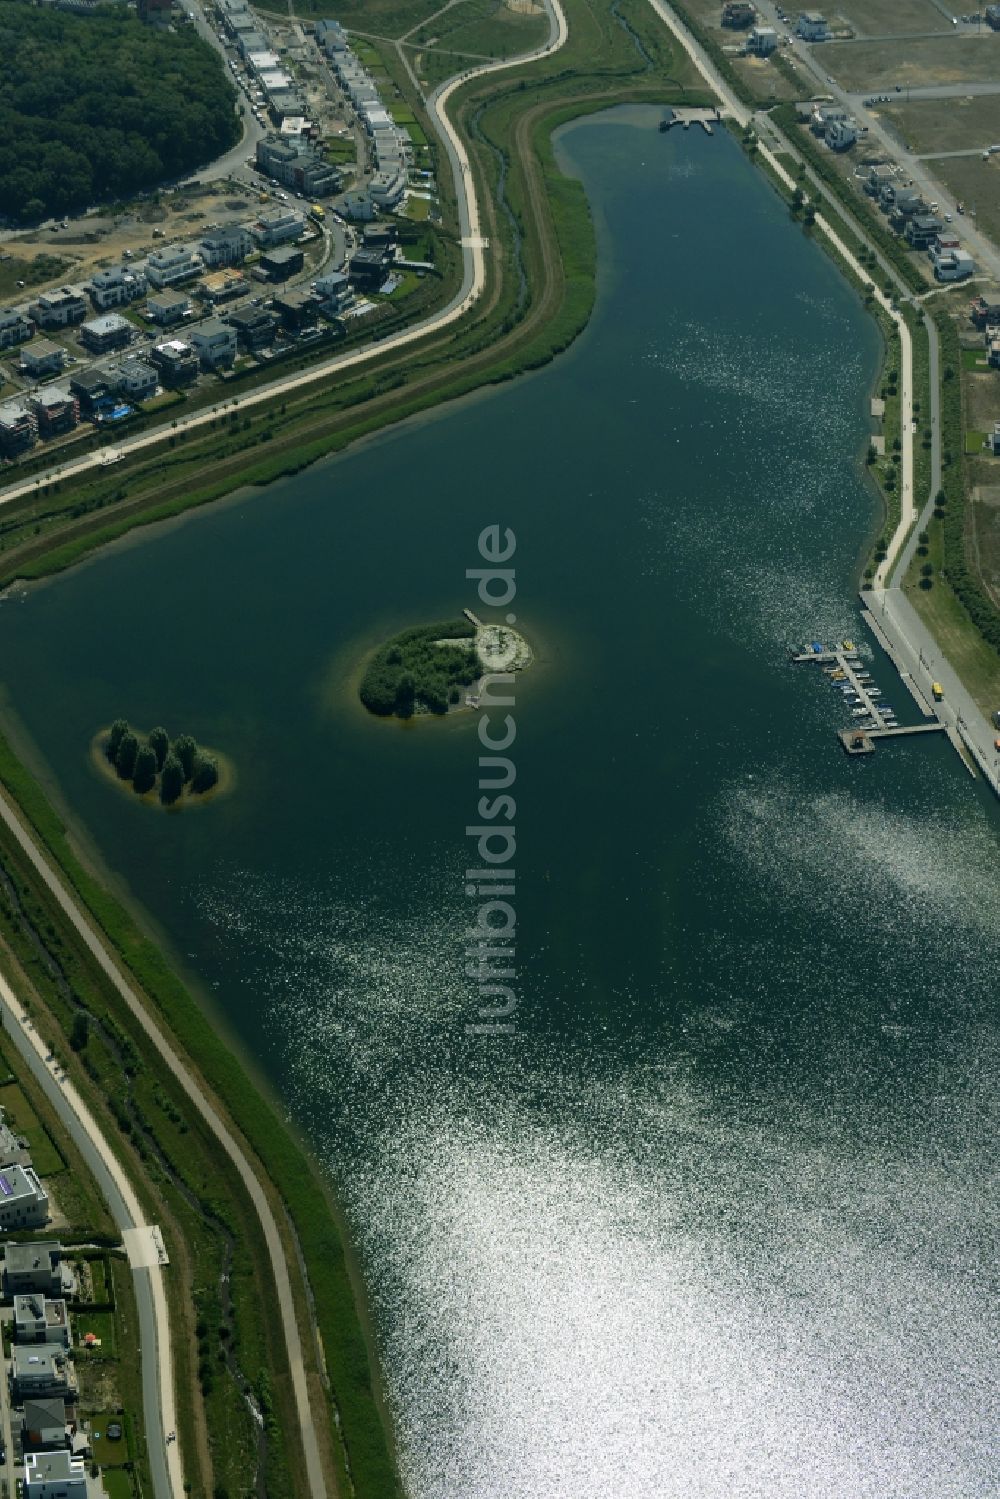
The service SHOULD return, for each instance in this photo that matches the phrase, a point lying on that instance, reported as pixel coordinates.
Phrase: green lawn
(118, 1485)
(975, 359)
(102, 1325)
(24, 1121)
(974, 442)
(99, 1278)
(108, 1453)
(417, 208)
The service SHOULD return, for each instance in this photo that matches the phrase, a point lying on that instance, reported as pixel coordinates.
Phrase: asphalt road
(154, 1331)
(234, 160)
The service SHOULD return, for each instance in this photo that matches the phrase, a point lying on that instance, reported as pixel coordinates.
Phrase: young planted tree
(118, 731)
(159, 743)
(144, 776)
(185, 750)
(172, 780)
(125, 759)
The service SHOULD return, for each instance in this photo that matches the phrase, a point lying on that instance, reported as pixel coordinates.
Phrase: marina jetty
(706, 118)
(874, 719)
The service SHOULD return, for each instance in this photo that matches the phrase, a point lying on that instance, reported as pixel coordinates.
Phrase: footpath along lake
(717, 1219)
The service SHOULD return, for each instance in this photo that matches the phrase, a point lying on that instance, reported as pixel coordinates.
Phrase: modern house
(18, 429)
(922, 229)
(878, 179)
(255, 328)
(24, 1202)
(334, 292)
(277, 228)
(738, 15)
(985, 313)
(134, 378)
(42, 358)
(215, 343)
(762, 41)
(957, 265)
(840, 135)
(90, 386)
(32, 1267)
(116, 287)
(297, 308)
(176, 361)
(368, 268)
(43, 1424)
(165, 308)
(220, 286)
(59, 309)
(282, 263)
(54, 1475)
(40, 1369)
(812, 26)
(172, 266)
(225, 246)
(15, 328)
(297, 164)
(387, 189)
(992, 16)
(38, 1319)
(56, 411)
(332, 37)
(105, 334)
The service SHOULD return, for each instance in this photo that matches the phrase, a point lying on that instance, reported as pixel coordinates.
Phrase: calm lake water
(718, 1218)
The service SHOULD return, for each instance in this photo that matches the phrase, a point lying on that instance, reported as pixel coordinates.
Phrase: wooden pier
(875, 725)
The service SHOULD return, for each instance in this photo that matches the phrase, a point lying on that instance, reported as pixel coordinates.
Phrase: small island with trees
(437, 668)
(157, 768)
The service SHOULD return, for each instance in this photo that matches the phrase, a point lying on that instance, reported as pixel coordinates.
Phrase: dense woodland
(96, 107)
(413, 671)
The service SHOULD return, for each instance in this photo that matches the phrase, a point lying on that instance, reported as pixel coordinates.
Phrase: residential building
(18, 429)
(166, 308)
(277, 228)
(984, 312)
(251, 42)
(38, 1319)
(43, 1424)
(215, 343)
(945, 241)
(284, 104)
(957, 265)
(297, 308)
(15, 328)
(762, 41)
(59, 309)
(56, 411)
(134, 378)
(104, 334)
(812, 26)
(282, 263)
(358, 206)
(172, 266)
(825, 115)
(332, 37)
(221, 286)
(255, 328)
(39, 1369)
(225, 246)
(906, 204)
(263, 61)
(841, 135)
(878, 178)
(12, 1148)
(738, 15)
(32, 1267)
(922, 229)
(24, 1202)
(54, 1475)
(42, 358)
(387, 189)
(369, 268)
(993, 440)
(176, 361)
(379, 236)
(116, 287)
(298, 165)
(90, 386)
(335, 292)
(993, 348)
(992, 16)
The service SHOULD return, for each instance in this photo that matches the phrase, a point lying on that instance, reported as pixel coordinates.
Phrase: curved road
(473, 281)
(154, 1327)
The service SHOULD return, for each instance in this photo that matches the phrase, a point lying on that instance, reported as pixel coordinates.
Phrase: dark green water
(717, 1219)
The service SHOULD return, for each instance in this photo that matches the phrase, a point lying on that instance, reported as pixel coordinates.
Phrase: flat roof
(41, 348)
(32, 1256)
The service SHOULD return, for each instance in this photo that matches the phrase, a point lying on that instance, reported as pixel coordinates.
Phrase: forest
(94, 108)
(413, 672)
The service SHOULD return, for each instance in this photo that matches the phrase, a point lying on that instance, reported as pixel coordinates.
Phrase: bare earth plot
(881, 65)
(946, 124)
(888, 17)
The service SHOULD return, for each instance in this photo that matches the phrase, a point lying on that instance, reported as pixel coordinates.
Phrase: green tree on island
(206, 774)
(159, 742)
(171, 780)
(128, 750)
(144, 775)
(185, 750)
(118, 731)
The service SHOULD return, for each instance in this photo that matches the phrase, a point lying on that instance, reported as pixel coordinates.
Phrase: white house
(762, 41)
(812, 26)
(37, 1319)
(215, 342)
(116, 286)
(171, 266)
(24, 1202)
(54, 1475)
(841, 134)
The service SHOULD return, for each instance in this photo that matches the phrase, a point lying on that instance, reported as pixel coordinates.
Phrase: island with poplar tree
(158, 768)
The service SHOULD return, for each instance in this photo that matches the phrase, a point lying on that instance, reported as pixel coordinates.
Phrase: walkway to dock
(706, 118)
